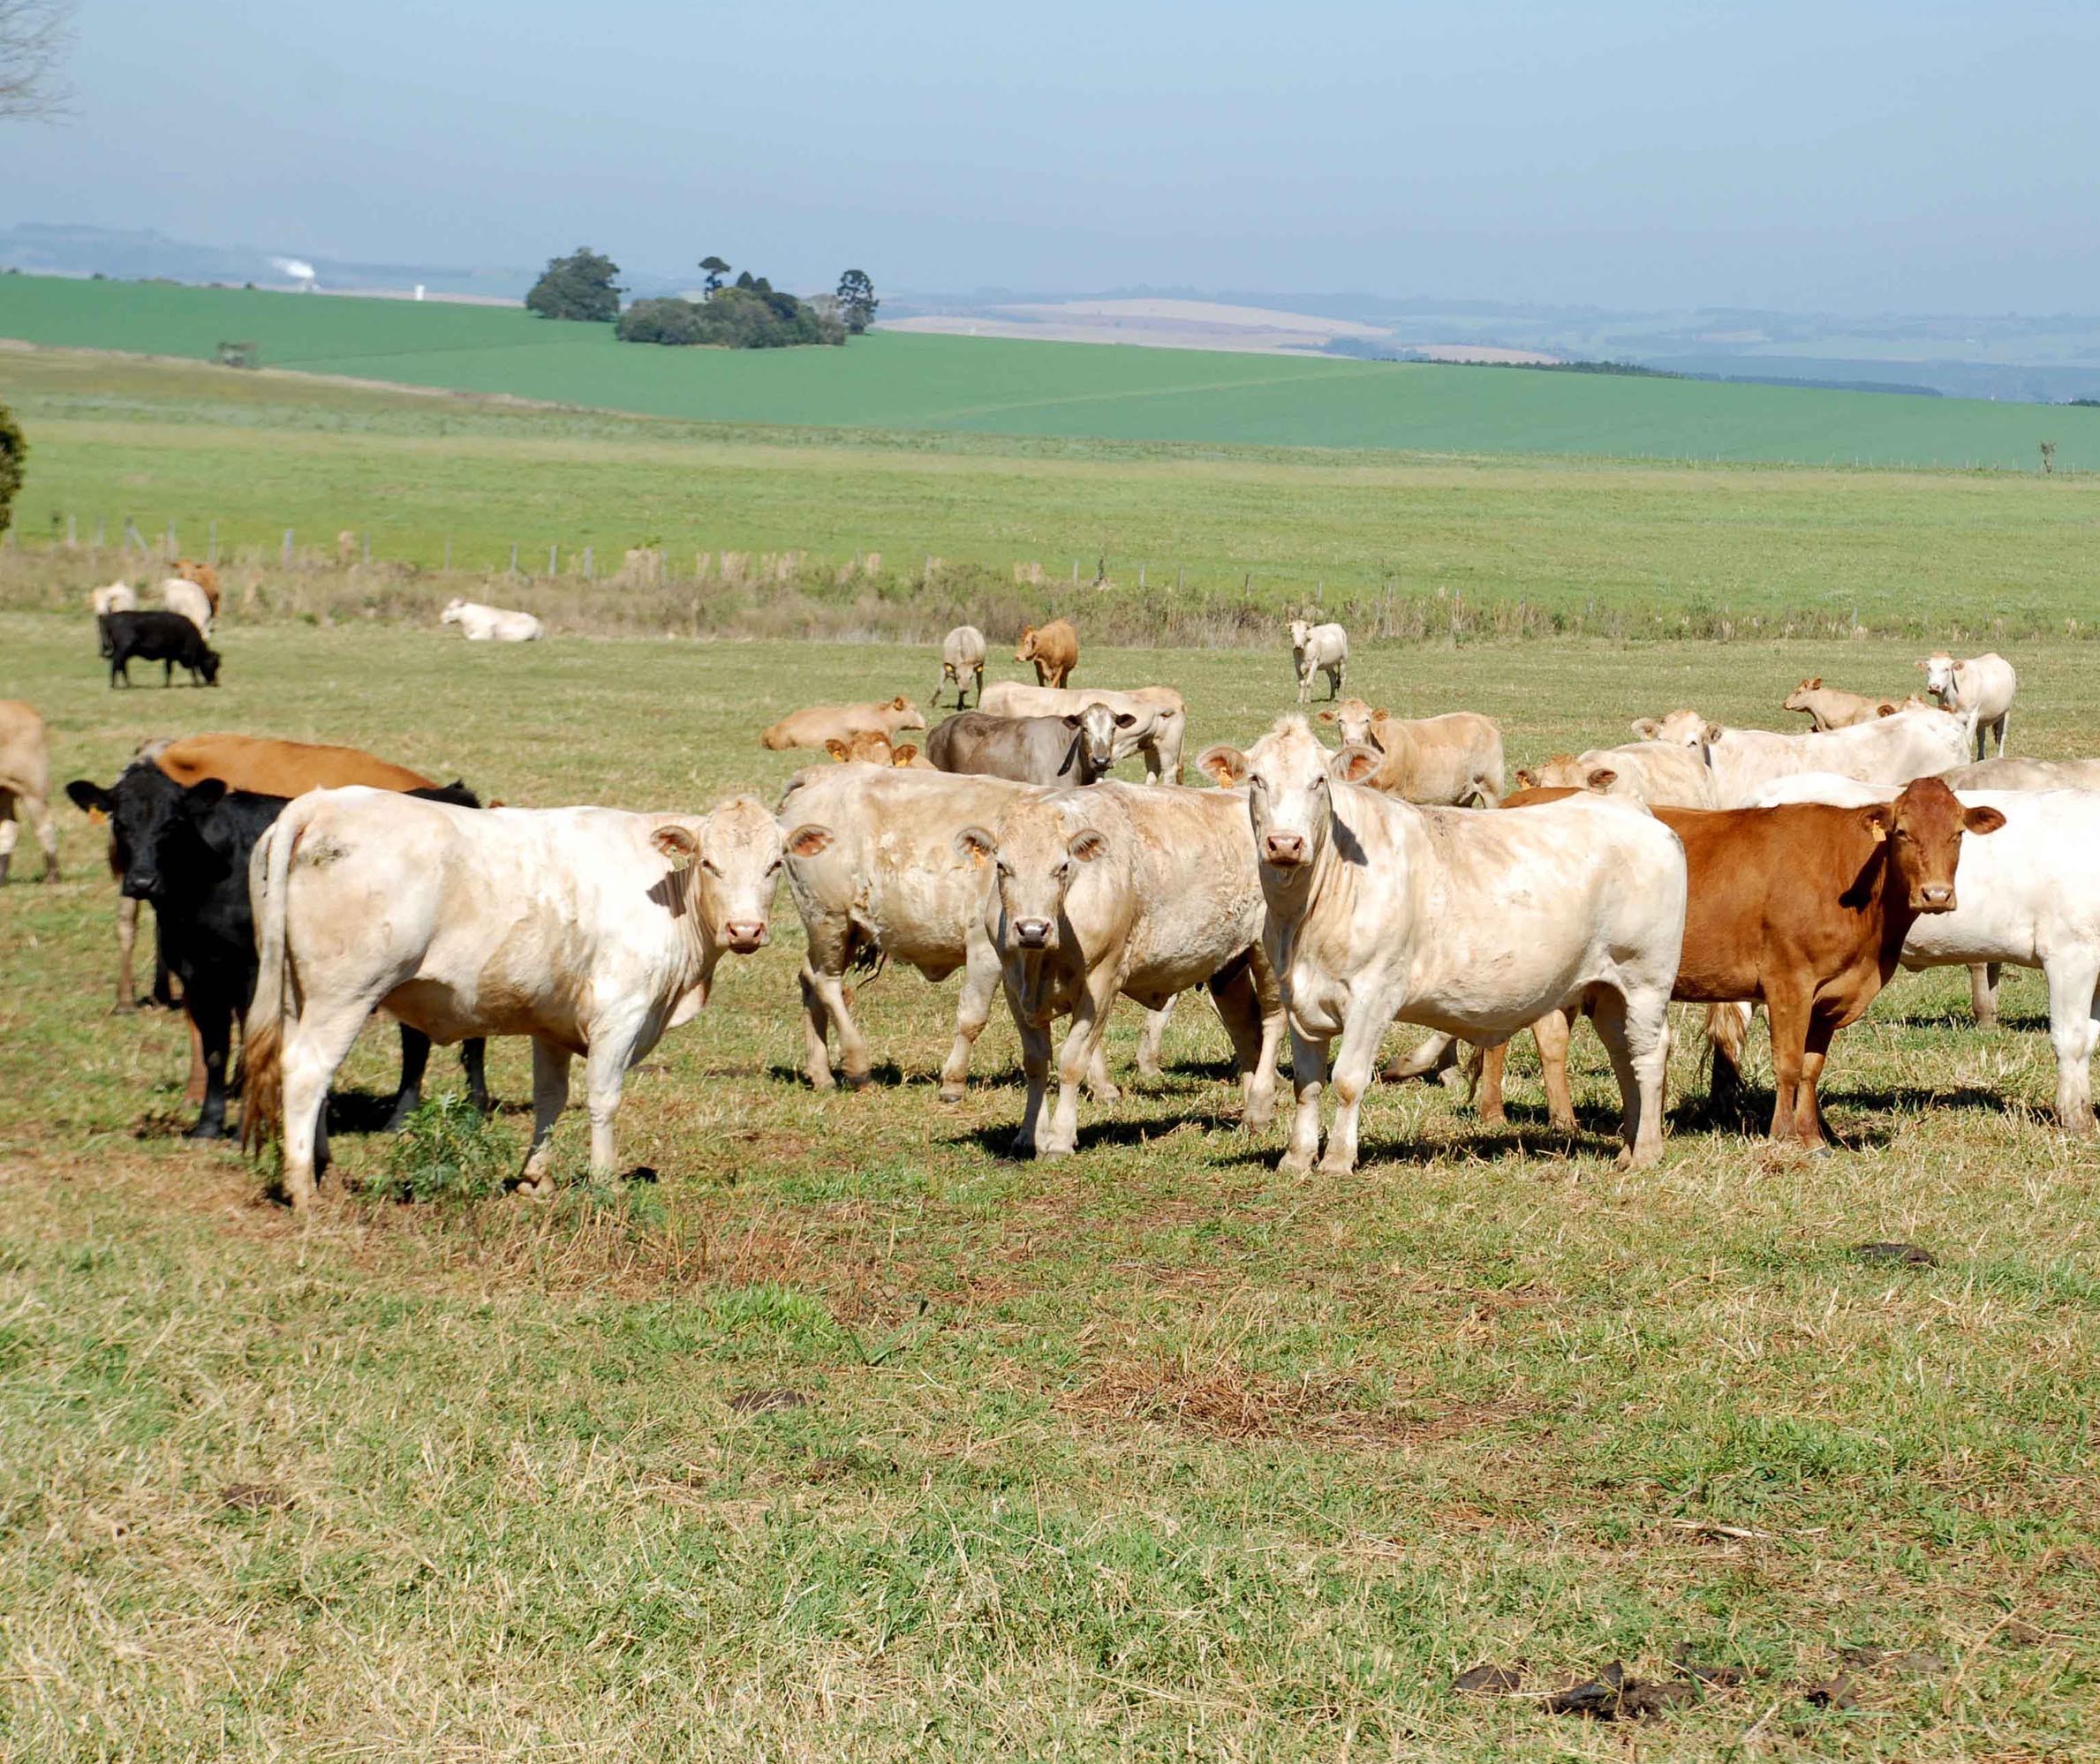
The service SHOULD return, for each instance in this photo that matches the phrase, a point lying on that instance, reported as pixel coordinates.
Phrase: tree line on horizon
(749, 313)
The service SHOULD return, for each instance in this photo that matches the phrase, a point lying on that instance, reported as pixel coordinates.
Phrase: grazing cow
(592, 931)
(1054, 648)
(1318, 649)
(118, 597)
(186, 850)
(1658, 773)
(165, 637)
(2026, 774)
(204, 576)
(180, 594)
(962, 652)
(819, 724)
(1122, 889)
(1076, 749)
(491, 624)
(1891, 749)
(1475, 924)
(26, 785)
(1453, 760)
(1982, 686)
(1828, 708)
(872, 870)
(1159, 733)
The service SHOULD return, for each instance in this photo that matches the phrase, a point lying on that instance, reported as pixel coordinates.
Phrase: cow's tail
(262, 1044)
(1727, 1031)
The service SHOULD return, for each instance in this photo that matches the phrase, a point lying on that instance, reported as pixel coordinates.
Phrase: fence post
(174, 550)
(98, 535)
(1179, 576)
(553, 558)
(590, 563)
(132, 535)
(1075, 572)
(1141, 575)
(72, 533)
(1319, 591)
(211, 554)
(514, 557)
(286, 553)
(448, 551)
(367, 548)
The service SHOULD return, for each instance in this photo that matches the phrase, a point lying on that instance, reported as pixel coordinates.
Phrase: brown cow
(1054, 648)
(204, 576)
(24, 785)
(279, 768)
(1805, 907)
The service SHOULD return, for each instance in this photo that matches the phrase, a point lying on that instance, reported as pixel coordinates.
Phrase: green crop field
(847, 1438)
(1050, 389)
(250, 456)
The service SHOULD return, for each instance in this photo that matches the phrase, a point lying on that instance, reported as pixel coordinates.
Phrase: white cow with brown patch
(1161, 728)
(1474, 924)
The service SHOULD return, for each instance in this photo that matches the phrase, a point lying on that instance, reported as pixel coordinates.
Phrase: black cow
(165, 637)
(187, 852)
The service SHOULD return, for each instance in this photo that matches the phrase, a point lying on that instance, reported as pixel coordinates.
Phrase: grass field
(256, 453)
(1054, 390)
(1151, 1454)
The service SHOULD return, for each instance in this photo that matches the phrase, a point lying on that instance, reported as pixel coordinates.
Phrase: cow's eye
(772, 866)
(1005, 868)
(710, 866)
(1064, 869)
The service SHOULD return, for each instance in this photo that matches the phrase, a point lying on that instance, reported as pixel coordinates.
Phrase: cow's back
(280, 768)
(1181, 878)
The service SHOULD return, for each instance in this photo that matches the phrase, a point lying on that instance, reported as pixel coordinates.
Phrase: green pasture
(845, 1437)
(1069, 390)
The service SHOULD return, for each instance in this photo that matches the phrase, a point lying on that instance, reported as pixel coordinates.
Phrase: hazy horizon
(1865, 159)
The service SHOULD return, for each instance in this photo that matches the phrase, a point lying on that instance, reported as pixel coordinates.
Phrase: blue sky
(1852, 157)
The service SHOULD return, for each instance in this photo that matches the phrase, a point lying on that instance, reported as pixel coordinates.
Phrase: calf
(491, 624)
(187, 851)
(1828, 708)
(1054, 648)
(818, 725)
(166, 638)
(962, 652)
(1983, 686)
(590, 930)
(1121, 889)
(1318, 649)
(1475, 924)
(24, 785)
(1076, 749)
(1159, 733)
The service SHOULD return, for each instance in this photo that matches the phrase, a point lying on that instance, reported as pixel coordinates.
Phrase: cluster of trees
(749, 313)
(14, 450)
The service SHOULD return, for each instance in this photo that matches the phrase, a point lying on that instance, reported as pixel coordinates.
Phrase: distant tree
(856, 300)
(14, 450)
(35, 35)
(2048, 457)
(745, 279)
(752, 314)
(579, 286)
(716, 269)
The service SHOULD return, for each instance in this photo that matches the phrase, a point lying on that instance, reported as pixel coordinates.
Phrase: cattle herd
(1320, 893)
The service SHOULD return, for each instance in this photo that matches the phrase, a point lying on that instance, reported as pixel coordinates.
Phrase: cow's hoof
(535, 1187)
(951, 1093)
(822, 1081)
(1020, 1146)
(859, 1081)
(1107, 1093)
(1292, 1163)
(1334, 1166)
(210, 1130)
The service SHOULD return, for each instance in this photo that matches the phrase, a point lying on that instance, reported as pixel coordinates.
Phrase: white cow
(178, 594)
(118, 597)
(1122, 889)
(592, 931)
(1454, 759)
(2026, 774)
(1162, 728)
(1318, 649)
(1892, 750)
(1983, 684)
(1658, 773)
(491, 624)
(1476, 925)
(963, 664)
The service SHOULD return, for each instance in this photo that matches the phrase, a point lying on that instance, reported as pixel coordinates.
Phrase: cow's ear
(676, 843)
(1355, 764)
(1925, 666)
(204, 796)
(838, 749)
(1815, 685)
(89, 797)
(1381, 715)
(808, 840)
(900, 703)
(1647, 728)
(1982, 821)
(1087, 845)
(1526, 779)
(974, 845)
(1126, 720)
(1602, 778)
(1070, 719)
(1880, 818)
(1329, 717)
(1711, 733)
(1224, 763)
(904, 755)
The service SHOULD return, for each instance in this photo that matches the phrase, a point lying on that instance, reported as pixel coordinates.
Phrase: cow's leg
(1239, 1003)
(1148, 1042)
(1035, 1065)
(10, 830)
(193, 1088)
(979, 672)
(1636, 1031)
(973, 1010)
(211, 1028)
(1807, 1104)
(550, 1097)
(1430, 1059)
(473, 1060)
(408, 1094)
(816, 1021)
(853, 1050)
(1081, 1049)
(1553, 1032)
(1354, 1065)
(1983, 993)
(1788, 1017)
(1494, 1069)
(1305, 687)
(605, 1074)
(1309, 1077)
(2073, 1031)
(127, 937)
(315, 1046)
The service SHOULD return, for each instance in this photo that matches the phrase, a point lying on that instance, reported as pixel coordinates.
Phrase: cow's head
(1300, 633)
(1355, 722)
(1679, 728)
(901, 713)
(734, 857)
(867, 747)
(1289, 777)
(1034, 857)
(156, 826)
(208, 664)
(1920, 832)
(1025, 651)
(1095, 728)
(455, 608)
(1798, 699)
(1939, 677)
(1562, 771)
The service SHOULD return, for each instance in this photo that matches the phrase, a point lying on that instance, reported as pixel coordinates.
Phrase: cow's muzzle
(141, 885)
(1934, 897)
(1033, 933)
(741, 937)
(1285, 850)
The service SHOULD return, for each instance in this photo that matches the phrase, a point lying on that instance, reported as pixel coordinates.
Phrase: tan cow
(1054, 648)
(1121, 889)
(1652, 772)
(1983, 686)
(26, 785)
(180, 594)
(204, 576)
(1159, 728)
(1454, 760)
(818, 725)
(962, 652)
(1828, 708)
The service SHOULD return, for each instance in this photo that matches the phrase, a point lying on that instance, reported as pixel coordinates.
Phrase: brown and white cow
(1827, 707)
(205, 575)
(818, 725)
(26, 785)
(1475, 924)
(1160, 728)
(1130, 889)
(1454, 760)
(1054, 648)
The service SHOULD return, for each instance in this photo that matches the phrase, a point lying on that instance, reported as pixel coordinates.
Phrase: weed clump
(449, 1153)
